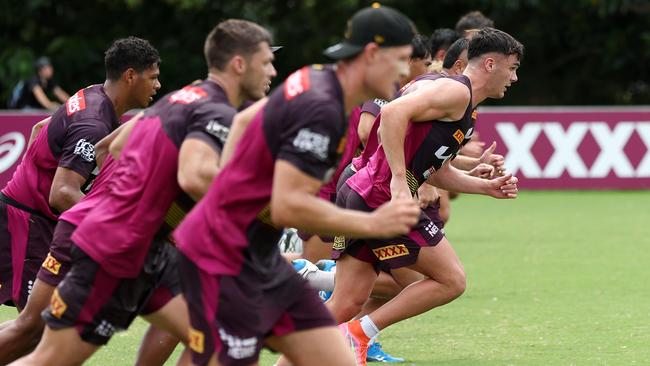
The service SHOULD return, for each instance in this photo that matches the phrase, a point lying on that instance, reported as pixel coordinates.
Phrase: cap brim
(276, 48)
(342, 50)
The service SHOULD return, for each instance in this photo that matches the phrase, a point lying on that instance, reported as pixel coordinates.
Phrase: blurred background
(581, 52)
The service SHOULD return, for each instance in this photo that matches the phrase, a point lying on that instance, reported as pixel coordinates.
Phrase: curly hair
(129, 53)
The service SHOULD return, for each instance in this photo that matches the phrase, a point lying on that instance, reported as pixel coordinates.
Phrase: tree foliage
(577, 52)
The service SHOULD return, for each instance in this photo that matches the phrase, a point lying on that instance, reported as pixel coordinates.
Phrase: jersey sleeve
(312, 142)
(211, 124)
(373, 106)
(78, 151)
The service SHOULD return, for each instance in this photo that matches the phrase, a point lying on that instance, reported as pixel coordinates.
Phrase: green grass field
(553, 279)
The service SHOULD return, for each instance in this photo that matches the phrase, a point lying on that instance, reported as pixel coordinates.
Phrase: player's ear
(489, 64)
(238, 64)
(370, 51)
(129, 76)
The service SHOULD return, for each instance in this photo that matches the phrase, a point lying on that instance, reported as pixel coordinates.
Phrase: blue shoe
(304, 267)
(377, 354)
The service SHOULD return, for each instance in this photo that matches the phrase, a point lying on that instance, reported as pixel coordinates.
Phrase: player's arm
(488, 156)
(36, 129)
(239, 124)
(442, 99)
(120, 134)
(452, 179)
(66, 189)
(60, 94)
(40, 96)
(366, 120)
(198, 164)
(294, 204)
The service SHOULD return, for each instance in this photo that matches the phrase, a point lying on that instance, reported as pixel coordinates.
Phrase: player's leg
(354, 282)
(315, 249)
(23, 334)
(308, 347)
(156, 347)
(445, 281)
(62, 347)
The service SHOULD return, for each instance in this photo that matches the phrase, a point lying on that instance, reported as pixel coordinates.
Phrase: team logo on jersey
(85, 149)
(76, 103)
(459, 136)
(474, 114)
(187, 95)
(339, 243)
(57, 305)
(390, 252)
(197, 340)
(51, 264)
(309, 141)
(380, 102)
(296, 84)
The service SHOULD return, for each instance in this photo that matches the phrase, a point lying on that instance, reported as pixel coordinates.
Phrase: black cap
(382, 25)
(276, 48)
(42, 62)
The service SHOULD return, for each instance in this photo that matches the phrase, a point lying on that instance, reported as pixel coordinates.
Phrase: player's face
(417, 67)
(505, 73)
(259, 72)
(385, 70)
(145, 86)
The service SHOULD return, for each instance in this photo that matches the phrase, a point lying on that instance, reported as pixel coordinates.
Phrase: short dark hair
(132, 52)
(473, 20)
(489, 40)
(420, 47)
(442, 38)
(454, 51)
(232, 37)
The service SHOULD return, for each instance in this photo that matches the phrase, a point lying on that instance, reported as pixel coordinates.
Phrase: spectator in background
(36, 92)
(472, 21)
(439, 42)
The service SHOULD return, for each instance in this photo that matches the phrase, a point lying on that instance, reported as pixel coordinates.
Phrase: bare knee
(457, 282)
(344, 309)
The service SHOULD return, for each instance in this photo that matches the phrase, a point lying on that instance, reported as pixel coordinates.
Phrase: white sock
(321, 280)
(369, 327)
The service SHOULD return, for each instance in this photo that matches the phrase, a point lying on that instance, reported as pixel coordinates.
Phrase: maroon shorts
(24, 241)
(392, 253)
(98, 304)
(231, 315)
(58, 261)
(433, 212)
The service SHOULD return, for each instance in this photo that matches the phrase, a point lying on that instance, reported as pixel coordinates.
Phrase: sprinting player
(168, 162)
(242, 293)
(441, 39)
(434, 114)
(58, 164)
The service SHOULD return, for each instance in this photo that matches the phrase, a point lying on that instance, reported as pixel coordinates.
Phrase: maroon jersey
(303, 123)
(427, 146)
(67, 141)
(118, 232)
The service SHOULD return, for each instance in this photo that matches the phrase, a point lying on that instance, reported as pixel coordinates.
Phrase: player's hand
(395, 218)
(503, 187)
(399, 188)
(496, 160)
(427, 195)
(482, 170)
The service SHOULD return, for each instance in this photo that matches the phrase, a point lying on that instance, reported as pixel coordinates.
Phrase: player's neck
(350, 77)
(116, 94)
(479, 83)
(229, 85)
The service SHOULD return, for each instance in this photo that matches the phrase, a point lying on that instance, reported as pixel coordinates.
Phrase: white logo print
(85, 149)
(380, 102)
(238, 348)
(217, 130)
(11, 146)
(105, 329)
(315, 143)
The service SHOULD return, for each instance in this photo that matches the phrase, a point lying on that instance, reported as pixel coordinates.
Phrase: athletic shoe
(326, 265)
(377, 354)
(304, 267)
(357, 340)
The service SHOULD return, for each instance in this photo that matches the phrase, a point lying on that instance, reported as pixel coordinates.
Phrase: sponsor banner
(15, 129)
(571, 147)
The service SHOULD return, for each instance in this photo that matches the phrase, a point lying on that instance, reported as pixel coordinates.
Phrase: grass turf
(554, 278)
